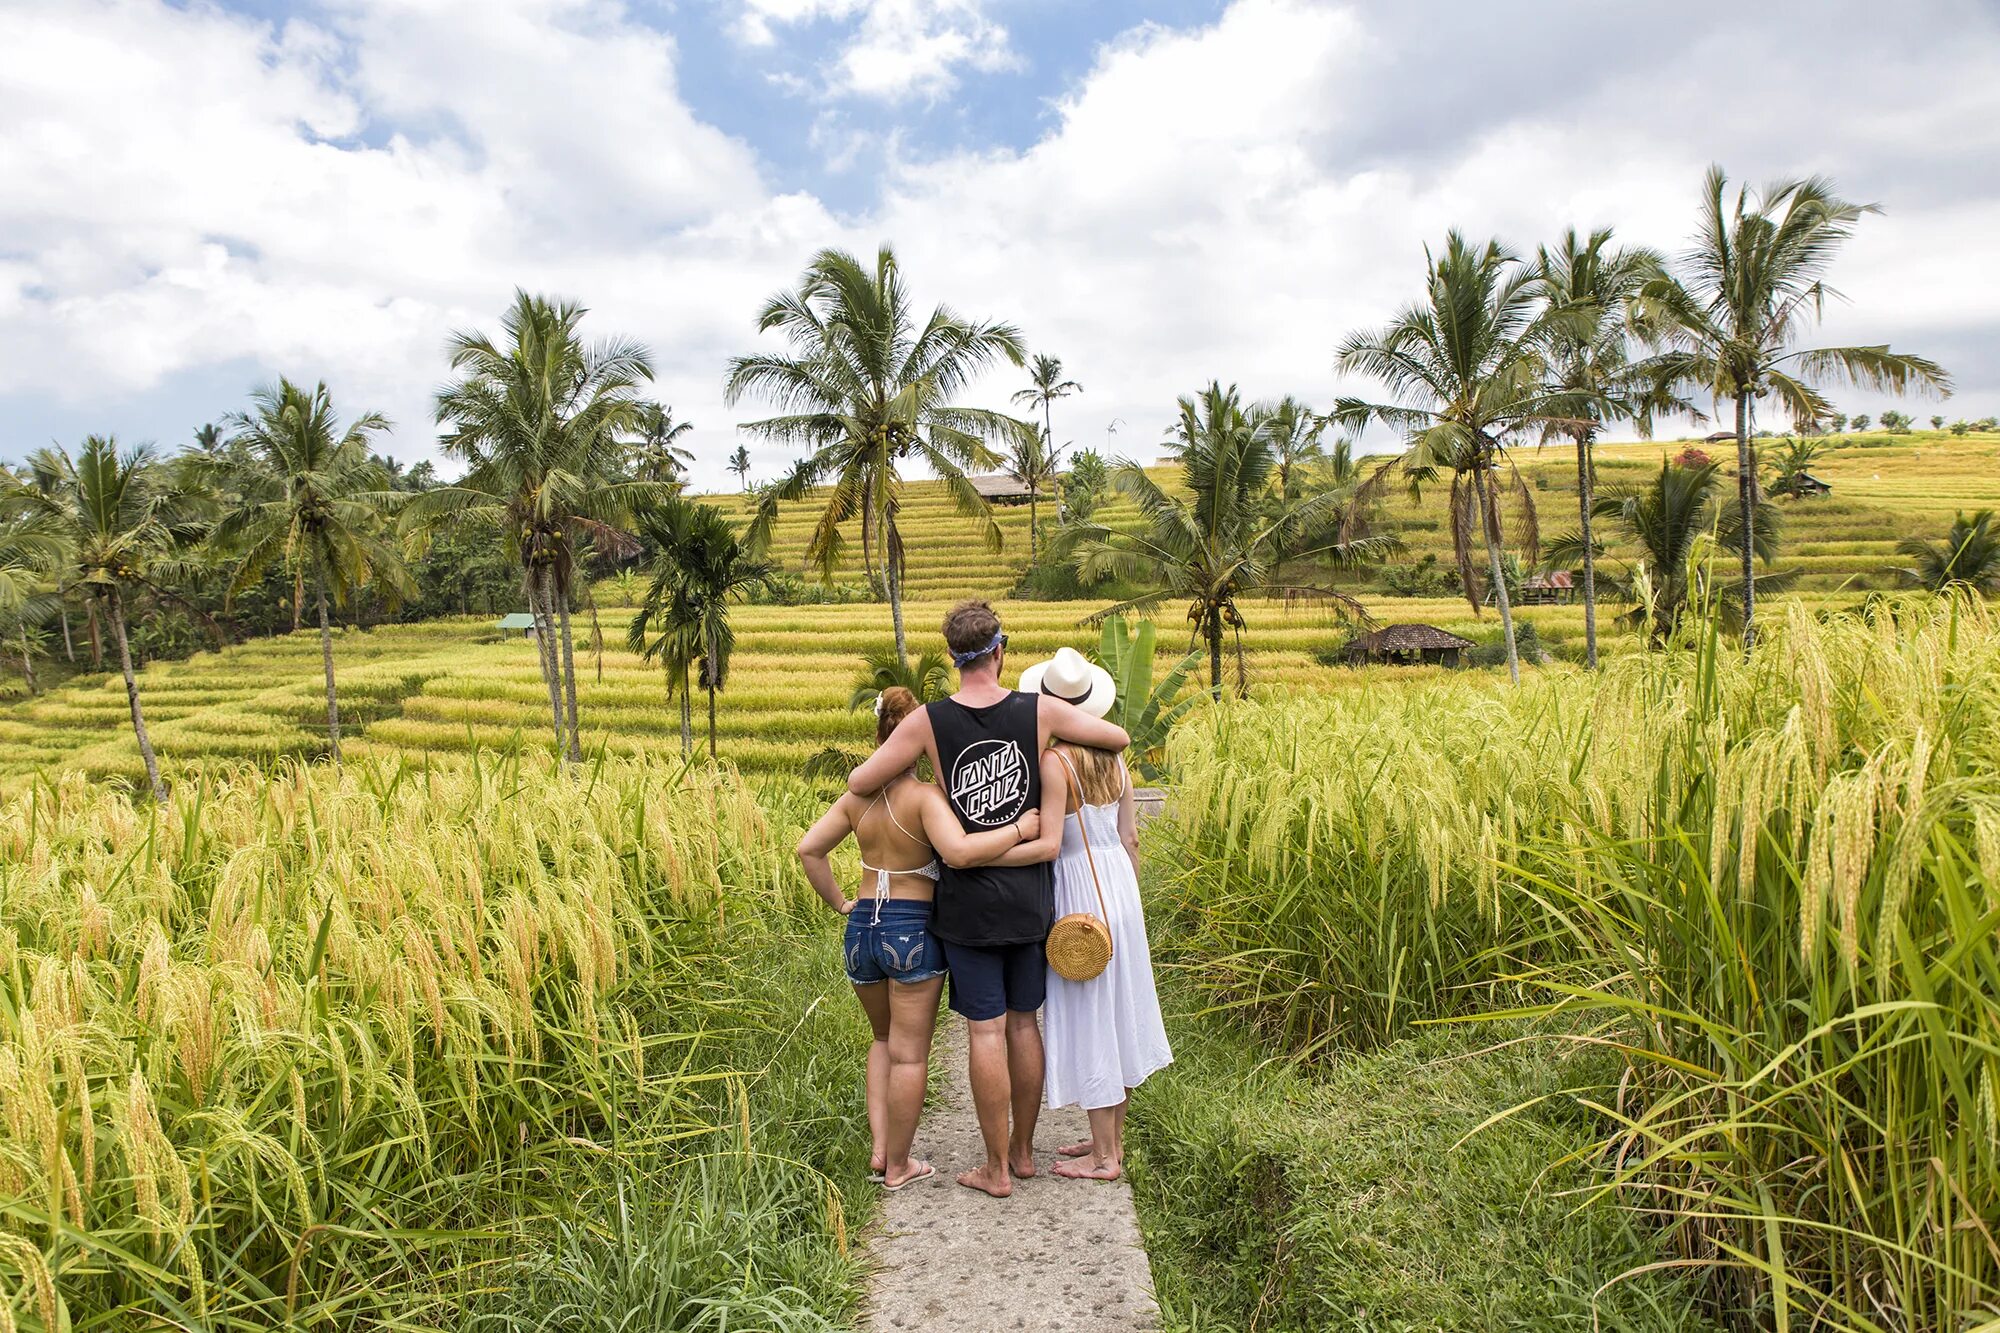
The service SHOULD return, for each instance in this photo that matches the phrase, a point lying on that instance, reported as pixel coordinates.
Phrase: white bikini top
(930, 870)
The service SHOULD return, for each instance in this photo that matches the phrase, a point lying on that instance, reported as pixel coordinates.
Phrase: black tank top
(990, 768)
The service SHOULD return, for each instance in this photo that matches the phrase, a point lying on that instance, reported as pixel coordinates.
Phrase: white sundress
(1104, 1035)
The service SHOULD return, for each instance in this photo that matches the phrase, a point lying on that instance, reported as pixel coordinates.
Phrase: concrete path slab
(1060, 1256)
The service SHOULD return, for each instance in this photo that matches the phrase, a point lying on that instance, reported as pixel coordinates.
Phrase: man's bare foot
(1021, 1161)
(1088, 1168)
(876, 1161)
(1079, 1149)
(988, 1180)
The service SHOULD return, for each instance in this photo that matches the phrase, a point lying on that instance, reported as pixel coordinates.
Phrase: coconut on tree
(1467, 371)
(313, 500)
(540, 418)
(123, 525)
(1735, 308)
(866, 389)
(1215, 541)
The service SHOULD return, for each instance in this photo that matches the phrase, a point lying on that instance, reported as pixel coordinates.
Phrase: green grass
(1364, 1195)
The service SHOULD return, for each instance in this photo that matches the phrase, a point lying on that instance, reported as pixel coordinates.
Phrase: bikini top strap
(891, 806)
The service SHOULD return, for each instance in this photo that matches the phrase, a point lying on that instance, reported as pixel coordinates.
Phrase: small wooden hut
(1000, 489)
(1408, 645)
(513, 622)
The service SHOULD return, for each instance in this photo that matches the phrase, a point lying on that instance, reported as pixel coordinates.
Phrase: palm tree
(1969, 556)
(29, 551)
(1047, 384)
(1667, 520)
(1293, 431)
(700, 564)
(1795, 459)
(1591, 365)
(866, 390)
(312, 499)
(928, 678)
(1030, 462)
(1467, 370)
(1216, 543)
(739, 463)
(655, 456)
(121, 522)
(1749, 287)
(538, 420)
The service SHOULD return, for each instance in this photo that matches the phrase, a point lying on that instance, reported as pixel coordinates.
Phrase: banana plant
(1146, 710)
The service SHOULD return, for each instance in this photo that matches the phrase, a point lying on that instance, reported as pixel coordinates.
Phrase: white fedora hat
(1073, 678)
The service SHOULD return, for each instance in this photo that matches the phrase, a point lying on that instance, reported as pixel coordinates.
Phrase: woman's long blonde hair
(1097, 772)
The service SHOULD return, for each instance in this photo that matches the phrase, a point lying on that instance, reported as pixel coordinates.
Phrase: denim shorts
(890, 940)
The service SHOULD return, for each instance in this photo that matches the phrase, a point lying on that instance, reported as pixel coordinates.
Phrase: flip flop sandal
(924, 1174)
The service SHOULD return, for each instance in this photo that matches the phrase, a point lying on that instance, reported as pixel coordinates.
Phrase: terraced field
(1884, 488)
(444, 687)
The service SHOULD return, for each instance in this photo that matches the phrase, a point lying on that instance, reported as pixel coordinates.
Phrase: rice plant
(312, 1048)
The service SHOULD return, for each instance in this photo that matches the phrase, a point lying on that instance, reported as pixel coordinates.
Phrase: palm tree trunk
(893, 563)
(1049, 447)
(117, 611)
(1746, 491)
(545, 645)
(568, 670)
(1487, 516)
(868, 544)
(712, 673)
(298, 597)
(687, 724)
(96, 638)
(1033, 510)
(1585, 499)
(1213, 631)
(27, 660)
(326, 661)
(69, 646)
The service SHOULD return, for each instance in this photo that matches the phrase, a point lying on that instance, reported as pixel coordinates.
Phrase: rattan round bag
(1079, 945)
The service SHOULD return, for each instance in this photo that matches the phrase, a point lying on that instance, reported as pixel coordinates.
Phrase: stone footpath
(1060, 1256)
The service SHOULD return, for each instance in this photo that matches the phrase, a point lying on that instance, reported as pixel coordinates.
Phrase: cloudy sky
(196, 196)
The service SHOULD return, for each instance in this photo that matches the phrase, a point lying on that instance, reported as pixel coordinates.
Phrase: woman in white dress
(1105, 1035)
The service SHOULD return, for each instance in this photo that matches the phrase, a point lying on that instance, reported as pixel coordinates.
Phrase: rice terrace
(623, 706)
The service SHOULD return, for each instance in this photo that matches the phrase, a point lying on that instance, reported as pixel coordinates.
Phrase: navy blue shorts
(891, 941)
(988, 981)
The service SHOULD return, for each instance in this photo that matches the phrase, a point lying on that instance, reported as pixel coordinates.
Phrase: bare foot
(914, 1171)
(1021, 1161)
(876, 1162)
(1088, 1168)
(1081, 1149)
(988, 1180)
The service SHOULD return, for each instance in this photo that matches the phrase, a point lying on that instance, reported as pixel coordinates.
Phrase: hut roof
(515, 620)
(1720, 437)
(1000, 486)
(1409, 639)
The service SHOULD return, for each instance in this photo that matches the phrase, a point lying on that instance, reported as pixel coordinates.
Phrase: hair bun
(892, 706)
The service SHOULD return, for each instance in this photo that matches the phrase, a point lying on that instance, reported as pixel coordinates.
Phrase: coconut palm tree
(701, 563)
(29, 553)
(1030, 462)
(121, 523)
(655, 456)
(1969, 556)
(1668, 521)
(866, 390)
(1591, 366)
(1745, 293)
(1467, 368)
(538, 418)
(314, 500)
(1215, 542)
(1046, 386)
(1293, 430)
(739, 463)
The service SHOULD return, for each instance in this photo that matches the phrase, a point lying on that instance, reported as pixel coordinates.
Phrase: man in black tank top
(985, 745)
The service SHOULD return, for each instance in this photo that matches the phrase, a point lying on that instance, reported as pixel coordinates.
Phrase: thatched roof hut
(1408, 645)
(1000, 489)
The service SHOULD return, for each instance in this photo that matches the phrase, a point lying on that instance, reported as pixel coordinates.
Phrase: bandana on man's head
(997, 642)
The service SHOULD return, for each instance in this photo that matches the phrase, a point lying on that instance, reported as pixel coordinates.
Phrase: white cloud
(189, 190)
(891, 49)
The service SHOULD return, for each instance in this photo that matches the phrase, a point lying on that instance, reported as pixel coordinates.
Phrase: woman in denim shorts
(896, 966)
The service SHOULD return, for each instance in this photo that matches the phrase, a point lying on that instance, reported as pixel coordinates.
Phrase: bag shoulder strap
(1083, 827)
